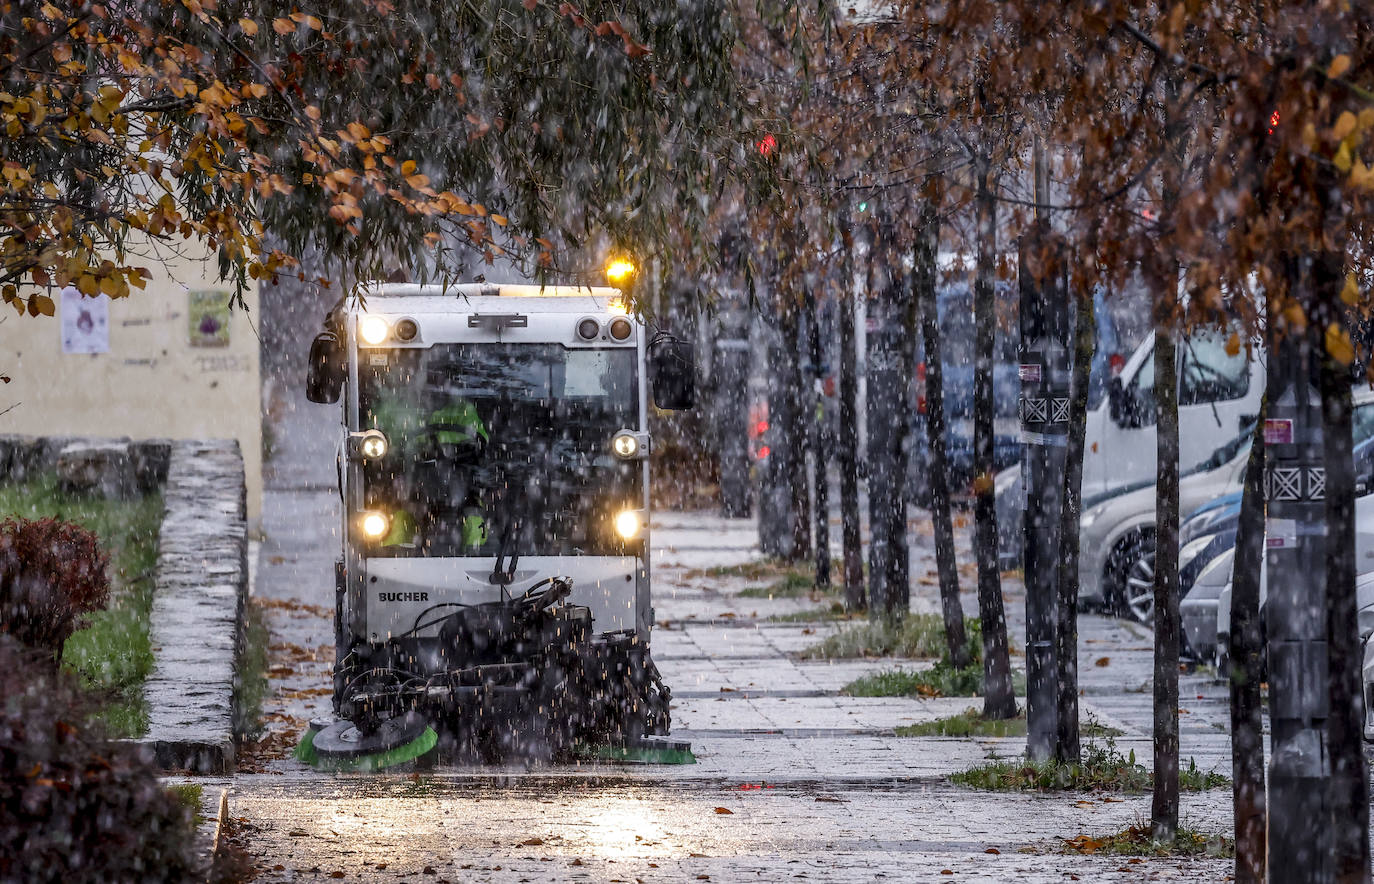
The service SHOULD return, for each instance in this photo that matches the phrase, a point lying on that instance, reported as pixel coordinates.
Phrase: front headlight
(1086, 520)
(374, 525)
(1196, 526)
(625, 445)
(1005, 480)
(1190, 550)
(628, 524)
(367, 444)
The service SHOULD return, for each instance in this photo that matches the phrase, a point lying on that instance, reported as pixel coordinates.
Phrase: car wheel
(1135, 578)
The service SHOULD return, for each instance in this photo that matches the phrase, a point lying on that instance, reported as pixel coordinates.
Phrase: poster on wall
(209, 317)
(85, 322)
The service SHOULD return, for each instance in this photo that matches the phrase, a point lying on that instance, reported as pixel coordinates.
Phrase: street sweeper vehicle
(493, 592)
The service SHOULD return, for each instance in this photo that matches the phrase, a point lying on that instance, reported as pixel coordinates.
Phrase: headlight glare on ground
(373, 329)
(375, 525)
(627, 524)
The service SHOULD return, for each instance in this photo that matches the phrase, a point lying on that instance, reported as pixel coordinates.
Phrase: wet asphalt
(793, 782)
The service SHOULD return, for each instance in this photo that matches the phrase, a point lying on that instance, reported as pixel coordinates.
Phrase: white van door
(1119, 445)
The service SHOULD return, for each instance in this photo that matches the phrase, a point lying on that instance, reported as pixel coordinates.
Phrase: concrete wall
(153, 381)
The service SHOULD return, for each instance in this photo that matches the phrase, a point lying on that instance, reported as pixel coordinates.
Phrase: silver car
(1116, 564)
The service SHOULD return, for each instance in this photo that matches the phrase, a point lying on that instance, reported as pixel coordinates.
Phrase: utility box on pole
(1295, 541)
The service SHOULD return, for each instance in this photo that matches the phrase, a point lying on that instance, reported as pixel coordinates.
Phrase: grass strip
(189, 795)
(250, 674)
(1103, 768)
(914, 636)
(1138, 840)
(969, 723)
(113, 653)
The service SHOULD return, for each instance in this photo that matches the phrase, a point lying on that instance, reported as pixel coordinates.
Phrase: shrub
(75, 806)
(52, 573)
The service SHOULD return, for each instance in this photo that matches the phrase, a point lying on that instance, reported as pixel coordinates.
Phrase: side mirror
(673, 374)
(1125, 407)
(1116, 400)
(325, 369)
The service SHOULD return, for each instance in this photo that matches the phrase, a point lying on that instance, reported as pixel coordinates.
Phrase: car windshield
(492, 442)
(1362, 422)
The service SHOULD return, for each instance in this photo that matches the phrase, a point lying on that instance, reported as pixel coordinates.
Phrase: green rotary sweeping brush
(341, 746)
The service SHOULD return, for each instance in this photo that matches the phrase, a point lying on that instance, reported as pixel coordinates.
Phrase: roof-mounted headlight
(588, 329)
(373, 330)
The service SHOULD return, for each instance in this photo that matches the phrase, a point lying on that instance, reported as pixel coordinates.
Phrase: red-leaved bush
(76, 807)
(52, 573)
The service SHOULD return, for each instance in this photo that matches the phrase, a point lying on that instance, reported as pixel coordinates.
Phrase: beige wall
(153, 382)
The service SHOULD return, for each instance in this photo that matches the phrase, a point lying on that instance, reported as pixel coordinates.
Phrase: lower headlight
(375, 525)
(628, 524)
(1190, 550)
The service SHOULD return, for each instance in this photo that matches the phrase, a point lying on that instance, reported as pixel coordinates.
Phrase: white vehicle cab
(1218, 394)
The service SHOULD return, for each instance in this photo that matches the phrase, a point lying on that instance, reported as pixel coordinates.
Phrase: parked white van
(1219, 394)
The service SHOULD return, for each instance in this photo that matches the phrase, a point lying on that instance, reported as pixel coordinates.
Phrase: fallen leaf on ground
(1102, 661)
(531, 842)
(994, 851)
(724, 810)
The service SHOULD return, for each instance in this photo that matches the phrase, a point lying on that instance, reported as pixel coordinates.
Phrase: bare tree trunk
(820, 443)
(956, 640)
(775, 520)
(999, 701)
(1344, 726)
(855, 595)
(887, 422)
(797, 425)
(1245, 646)
(1068, 746)
(1164, 809)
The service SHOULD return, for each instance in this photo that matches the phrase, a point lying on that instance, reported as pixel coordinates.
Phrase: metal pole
(1295, 529)
(1045, 395)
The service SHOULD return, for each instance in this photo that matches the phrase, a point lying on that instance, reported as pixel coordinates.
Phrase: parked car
(954, 303)
(1117, 534)
(1364, 584)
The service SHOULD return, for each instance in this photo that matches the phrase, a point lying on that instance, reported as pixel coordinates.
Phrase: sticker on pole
(1280, 533)
(1029, 372)
(1278, 432)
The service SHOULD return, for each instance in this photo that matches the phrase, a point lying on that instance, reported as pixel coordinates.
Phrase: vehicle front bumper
(1199, 618)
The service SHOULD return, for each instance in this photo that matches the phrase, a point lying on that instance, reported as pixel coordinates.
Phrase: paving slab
(817, 785)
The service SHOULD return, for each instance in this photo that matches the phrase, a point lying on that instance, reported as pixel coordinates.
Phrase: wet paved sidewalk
(794, 780)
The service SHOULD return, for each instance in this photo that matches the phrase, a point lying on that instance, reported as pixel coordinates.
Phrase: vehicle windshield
(1226, 453)
(499, 441)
